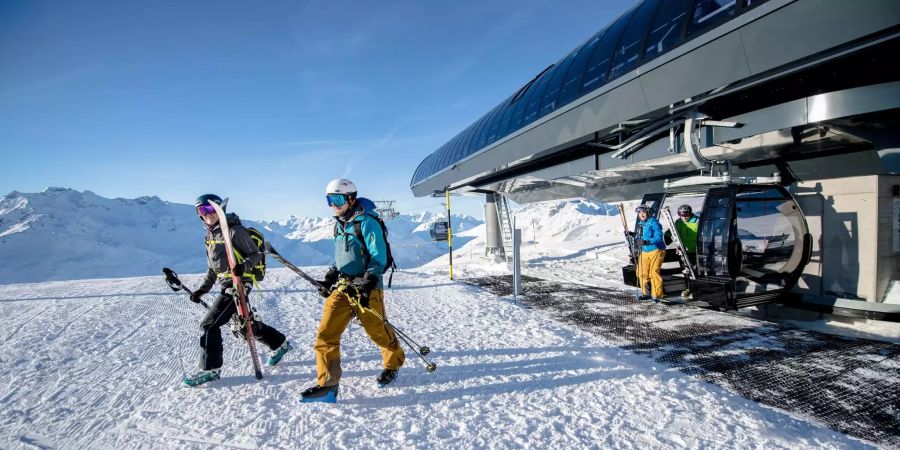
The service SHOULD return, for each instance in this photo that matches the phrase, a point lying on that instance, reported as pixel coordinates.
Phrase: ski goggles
(206, 210)
(336, 199)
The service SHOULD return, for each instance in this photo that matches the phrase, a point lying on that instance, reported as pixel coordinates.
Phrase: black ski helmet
(205, 199)
(685, 209)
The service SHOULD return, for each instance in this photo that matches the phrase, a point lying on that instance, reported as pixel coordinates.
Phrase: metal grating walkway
(852, 385)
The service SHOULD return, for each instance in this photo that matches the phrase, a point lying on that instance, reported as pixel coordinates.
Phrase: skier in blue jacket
(653, 252)
(358, 268)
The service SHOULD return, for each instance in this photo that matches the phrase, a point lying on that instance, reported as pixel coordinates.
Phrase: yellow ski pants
(336, 316)
(651, 263)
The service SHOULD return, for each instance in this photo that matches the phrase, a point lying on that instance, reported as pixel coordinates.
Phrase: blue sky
(263, 102)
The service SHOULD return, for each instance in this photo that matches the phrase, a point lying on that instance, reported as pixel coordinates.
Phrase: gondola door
(716, 250)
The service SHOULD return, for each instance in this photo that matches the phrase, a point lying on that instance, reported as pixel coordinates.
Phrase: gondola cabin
(752, 240)
(440, 231)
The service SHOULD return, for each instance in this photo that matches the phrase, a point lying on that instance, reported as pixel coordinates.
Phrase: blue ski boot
(276, 355)
(321, 394)
(201, 377)
(641, 297)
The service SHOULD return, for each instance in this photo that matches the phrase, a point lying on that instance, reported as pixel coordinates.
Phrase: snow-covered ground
(97, 364)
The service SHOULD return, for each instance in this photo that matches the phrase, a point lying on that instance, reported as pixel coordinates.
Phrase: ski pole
(271, 251)
(175, 284)
(420, 352)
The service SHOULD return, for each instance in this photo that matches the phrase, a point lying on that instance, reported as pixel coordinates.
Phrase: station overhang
(826, 95)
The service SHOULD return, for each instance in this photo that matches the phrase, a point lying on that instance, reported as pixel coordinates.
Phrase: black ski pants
(219, 314)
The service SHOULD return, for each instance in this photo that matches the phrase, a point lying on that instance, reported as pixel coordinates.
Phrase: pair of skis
(676, 238)
(240, 299)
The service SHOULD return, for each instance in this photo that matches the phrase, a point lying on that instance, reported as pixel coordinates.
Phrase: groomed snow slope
(97, 364)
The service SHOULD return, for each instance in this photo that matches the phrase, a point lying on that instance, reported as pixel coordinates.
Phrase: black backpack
(259, 271)
(357, 231)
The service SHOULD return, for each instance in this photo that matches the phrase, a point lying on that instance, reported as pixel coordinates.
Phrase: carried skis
(271, 251)
(682, 253)
(630, 237)
(241, 296)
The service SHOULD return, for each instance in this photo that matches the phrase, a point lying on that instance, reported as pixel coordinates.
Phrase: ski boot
(642, 297)
(321, 394)
(276, 355)
(655, 300)
(201, 377)
(387, 375)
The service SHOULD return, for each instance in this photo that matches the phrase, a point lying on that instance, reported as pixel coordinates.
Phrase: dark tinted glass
(503, 128)
(572, 84)
(713, 239)
(473, 141)
(482, 135)
(630, 45)
(534, 103)
(467, 139)
(494, 131)
(595, 74)
(665, 33)
(551, 92)
(523, 102)
(747, 4)
(439, 159)
(708, 14)
(454, 149)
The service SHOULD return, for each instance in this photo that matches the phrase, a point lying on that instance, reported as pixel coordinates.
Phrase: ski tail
(241, 298)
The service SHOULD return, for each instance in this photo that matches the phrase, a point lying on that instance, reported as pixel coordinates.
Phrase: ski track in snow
(98, 363)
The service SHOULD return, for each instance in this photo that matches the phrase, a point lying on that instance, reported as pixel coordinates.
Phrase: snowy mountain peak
(64, 234)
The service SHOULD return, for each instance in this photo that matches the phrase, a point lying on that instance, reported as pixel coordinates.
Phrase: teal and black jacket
(353, 257)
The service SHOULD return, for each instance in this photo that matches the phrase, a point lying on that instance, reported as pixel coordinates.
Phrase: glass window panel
(766, 240)
(708, 14)
(494, 131)
(503, 128)
(472, 145)
(572, 83)
(665, 33)
(490, 130)
(534, 102)
(479, 134)
(467, 139)
(551, 92)
(454, 148)
(482, 137)
(443, 159)
(712, 242)
(629, 49)
(595, 74)
(752, 3)
(516, 121)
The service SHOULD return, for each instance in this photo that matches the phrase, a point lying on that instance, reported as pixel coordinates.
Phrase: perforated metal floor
(852, 385)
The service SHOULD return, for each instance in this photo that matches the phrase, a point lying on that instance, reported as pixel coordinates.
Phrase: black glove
(325, 285)
(364, 286)
(196, 296)
(238, 270)
(364, 298)
(629, 234)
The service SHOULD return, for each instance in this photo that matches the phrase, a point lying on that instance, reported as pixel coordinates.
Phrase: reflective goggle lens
(205, 210)
(336, 199)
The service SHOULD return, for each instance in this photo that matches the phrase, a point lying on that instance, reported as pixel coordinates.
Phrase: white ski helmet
(340, 186)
